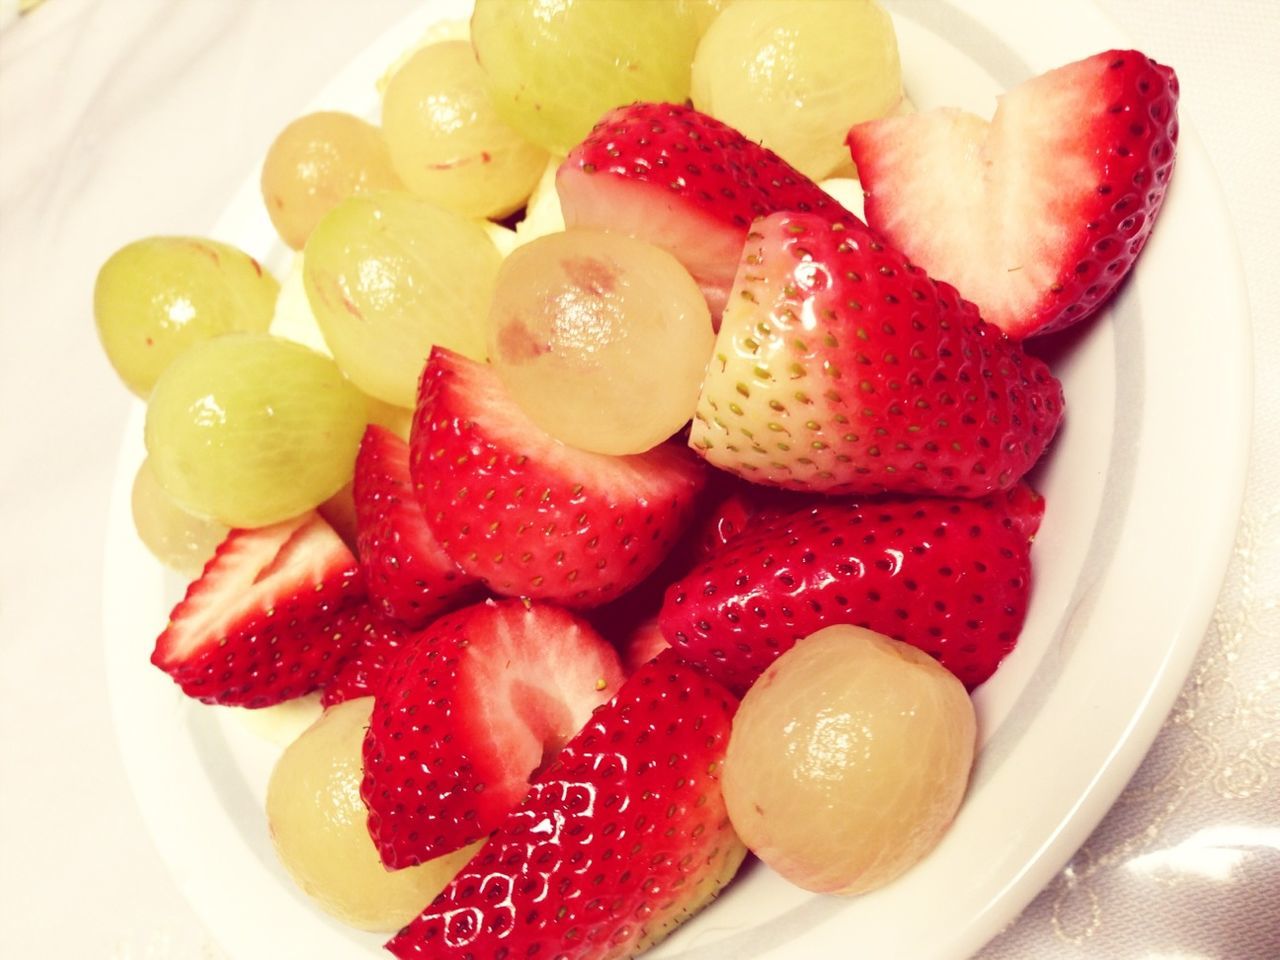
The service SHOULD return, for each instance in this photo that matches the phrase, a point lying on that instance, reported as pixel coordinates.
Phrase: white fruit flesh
(848, 760)
(317, 822)
(988, 207)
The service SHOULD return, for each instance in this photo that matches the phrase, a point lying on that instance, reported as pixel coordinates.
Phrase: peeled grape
(795, 75)
(848, 760)
(316, 161)
(555, 66)
(601, 339)
(391, 275)
(156, 297)
(251, 429)
(178, 539)
(446, 140)
(318, 826)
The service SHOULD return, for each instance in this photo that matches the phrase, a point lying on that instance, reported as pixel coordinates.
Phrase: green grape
(446, 140)
(391, 275)
(704, 11)
(601, 339)
(555, 66)
(156, 297)
(316, 161)
(178, 539)
(251, 429)
(797, 74)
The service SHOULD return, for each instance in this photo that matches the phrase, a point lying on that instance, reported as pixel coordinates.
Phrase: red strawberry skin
(378, 640)
(686, 182)
(260, 625)
(529, 515)
(465, 715)
(951, 577)
(620, 838)
(1073, 173)
(410, 577)
(841, 368)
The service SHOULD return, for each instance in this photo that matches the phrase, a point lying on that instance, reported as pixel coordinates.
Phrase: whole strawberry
(621, 837)
(951, 577)
(1038, 215)
(262, 624)
(841, 368)
(683, 181)
(529, 515)
(464, 715)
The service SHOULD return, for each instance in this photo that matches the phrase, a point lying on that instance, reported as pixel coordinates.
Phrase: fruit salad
(630, 498)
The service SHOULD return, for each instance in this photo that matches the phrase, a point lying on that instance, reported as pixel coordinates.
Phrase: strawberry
(622, 837)
(466, 714)
(951, 577)
(1038, 215)
(378, 641)
(410, 578)
(259, 626)
(641, 644)
(841, 368)
(685, 182)
(529, 515)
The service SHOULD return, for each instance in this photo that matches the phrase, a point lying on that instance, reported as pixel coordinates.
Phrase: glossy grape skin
(602, 339)
(156, 297)
(795, 75)
(316, 161)
(390, 276)
(178, 539)
(251, 429)
(447, 142)
(317, 822)
(848, 760)
(555, 66)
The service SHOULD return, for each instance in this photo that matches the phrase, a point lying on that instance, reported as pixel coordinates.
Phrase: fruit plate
(1143, 487)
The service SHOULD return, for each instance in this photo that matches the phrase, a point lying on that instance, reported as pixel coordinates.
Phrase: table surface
(133, 117)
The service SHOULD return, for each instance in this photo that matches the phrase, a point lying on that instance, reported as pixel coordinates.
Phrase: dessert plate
(1143, 487)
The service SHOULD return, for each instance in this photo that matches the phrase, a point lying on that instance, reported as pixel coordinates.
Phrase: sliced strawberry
(465, 716)
(951, 577)
(620, 839)
(260, 625)
(529, 515)
(1039, 214)
(841, 368)
(410, 577)
(378, 640)
(685, 182)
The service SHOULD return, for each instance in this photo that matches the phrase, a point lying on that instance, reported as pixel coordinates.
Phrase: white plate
(1143, 487)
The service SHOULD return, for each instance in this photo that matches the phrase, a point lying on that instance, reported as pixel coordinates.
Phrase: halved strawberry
(841, 368)
(951, 577)
(378, 640)
(410, 577)
(467, 713)
(529, 515)
(260, 624)
(620, 839)
(683, 181)
(1039, 214)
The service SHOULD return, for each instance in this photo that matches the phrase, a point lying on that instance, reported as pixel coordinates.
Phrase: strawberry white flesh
(1037, 215)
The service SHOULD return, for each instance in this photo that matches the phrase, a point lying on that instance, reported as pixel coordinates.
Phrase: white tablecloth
(121, 118)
